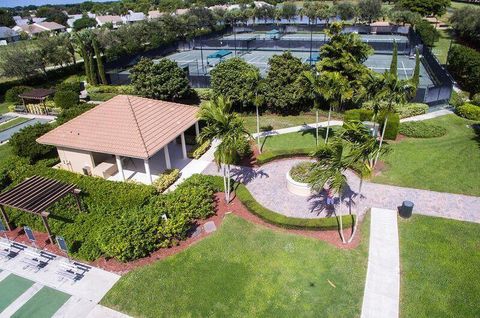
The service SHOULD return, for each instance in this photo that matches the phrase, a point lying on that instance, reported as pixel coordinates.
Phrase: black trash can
(406, 209)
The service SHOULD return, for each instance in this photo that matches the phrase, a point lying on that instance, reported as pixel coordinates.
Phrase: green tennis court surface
(43, 304)
(11, 288)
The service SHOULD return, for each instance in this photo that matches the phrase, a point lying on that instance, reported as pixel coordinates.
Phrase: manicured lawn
(246, 270)
(5, 153)
(447, 164)
(296, 140)
(4, 107)
(13, 122)
(442, 46)
(278, 122)
(440, 268)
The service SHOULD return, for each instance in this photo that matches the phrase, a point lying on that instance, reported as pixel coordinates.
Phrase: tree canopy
(230, 78)
(370, 10)
(281, 84)
(163, 80)
(425, 7)
(466, 23)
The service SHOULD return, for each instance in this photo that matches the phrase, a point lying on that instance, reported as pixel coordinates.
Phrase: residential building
(37, 28)
(8, 35)
(115, 20)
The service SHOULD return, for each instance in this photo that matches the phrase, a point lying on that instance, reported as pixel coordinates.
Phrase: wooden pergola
(35, 195)
(37, 94)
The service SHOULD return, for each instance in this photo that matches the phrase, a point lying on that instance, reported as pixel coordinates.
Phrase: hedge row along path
(267, 184)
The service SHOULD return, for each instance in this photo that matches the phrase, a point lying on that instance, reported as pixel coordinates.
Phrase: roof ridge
(137, 125)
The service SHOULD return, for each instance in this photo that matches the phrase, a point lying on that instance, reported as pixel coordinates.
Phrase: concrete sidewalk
(381, 297)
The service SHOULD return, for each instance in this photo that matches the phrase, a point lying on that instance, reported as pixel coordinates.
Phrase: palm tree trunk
(381, 140)
(340, 222)
(258, 129)
(228, 184)
(224, 172)
(355, 225)
(328, 123)
(316, 127)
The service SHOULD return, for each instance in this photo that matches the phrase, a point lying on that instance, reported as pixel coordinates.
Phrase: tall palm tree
(363, 150)
(394, 92)
(374, 85)
(228, 128)
(254, 79)
(329, 170)
(335, 88)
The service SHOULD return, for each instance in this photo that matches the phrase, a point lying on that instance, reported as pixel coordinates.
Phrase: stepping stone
(197, 232)
(209, 227)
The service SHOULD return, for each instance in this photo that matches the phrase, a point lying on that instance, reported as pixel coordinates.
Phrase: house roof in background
(109, 19)
(125, 125)
(51, 26)
(7, 32)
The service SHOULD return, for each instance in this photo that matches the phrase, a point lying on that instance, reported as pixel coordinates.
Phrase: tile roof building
(124, 126)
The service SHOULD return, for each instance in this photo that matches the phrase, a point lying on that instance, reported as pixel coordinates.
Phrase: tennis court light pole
(311, 40)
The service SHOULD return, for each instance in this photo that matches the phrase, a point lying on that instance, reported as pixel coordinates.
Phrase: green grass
(13, 122)
(441, 47)
(246, 270)
(446, 164)
(43, 304)
(11, 288)
(279, 122)
(439, 266)
(4, 107)
(5, 154)
(102, 97)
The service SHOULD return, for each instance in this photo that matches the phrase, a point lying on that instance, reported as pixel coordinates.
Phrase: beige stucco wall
(75, 160)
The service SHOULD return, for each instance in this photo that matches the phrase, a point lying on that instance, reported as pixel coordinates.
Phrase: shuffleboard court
(11, 288)
(43, 304)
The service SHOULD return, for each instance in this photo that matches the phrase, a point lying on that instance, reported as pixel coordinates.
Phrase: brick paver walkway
(268, 186)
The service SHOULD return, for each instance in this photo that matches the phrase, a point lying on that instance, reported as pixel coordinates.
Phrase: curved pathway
(268, 186)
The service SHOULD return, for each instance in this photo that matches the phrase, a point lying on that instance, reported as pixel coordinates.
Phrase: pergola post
(76, 194)
(184, 146)
(5, 217)
(167, 157)
(147, 171)
(197, 129)
(44, 216)
(120, 166)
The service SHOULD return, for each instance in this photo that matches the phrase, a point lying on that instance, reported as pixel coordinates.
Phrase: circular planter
(298, 188)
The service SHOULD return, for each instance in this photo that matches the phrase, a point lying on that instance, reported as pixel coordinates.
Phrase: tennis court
(317, 36)
(378, 62)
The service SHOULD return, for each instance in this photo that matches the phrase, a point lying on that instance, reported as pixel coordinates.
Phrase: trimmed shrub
(66, 99)
(118, 89)
(301, 172)
(11, 95)
(456, 99)
(476, 99)
(412, 109)
(421, 129)
(24, 144)
(5, 179)
(200, 150)
(204, 93)
(358, 114)
(393, 124)
(469, 111)
(74, 86)
(166, 179)
(281, 220)
(70, 113)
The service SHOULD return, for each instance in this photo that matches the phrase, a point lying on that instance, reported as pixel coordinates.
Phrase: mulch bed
(221, 208)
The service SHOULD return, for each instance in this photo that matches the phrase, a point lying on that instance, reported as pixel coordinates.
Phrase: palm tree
(228, 128)
(394, 91)
(374, 85)
(363, 150)
(335, 88)
(254, 79)
(329, 170)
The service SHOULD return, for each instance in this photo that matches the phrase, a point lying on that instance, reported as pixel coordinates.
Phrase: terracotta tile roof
(125, 125)
(51, 26)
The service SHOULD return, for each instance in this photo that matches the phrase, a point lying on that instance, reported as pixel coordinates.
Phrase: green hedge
(393, 125)
(256, 208)
(66, 99)
(268, 156)
(24, 144)
(421, 129)
(469, 111)
(411, 109)
(457, 99)
(166, 179)
(330, 223)
(11, 95)
(361, 114)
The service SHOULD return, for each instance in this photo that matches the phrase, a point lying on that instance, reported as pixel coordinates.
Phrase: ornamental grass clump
(301, 172)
